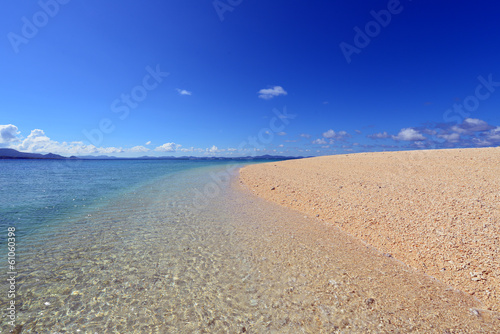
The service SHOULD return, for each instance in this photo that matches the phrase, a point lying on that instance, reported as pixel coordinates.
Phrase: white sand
(437, 211)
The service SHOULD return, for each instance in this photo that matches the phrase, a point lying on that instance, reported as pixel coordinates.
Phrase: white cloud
(281, 133)
(420, 144)
(184, 92)
(481, 142)
(409, 134)
(489, 138)
(494, 134)
(35, 142)
(451, 138)
(190, 149)
(305, 135)
(471, 132)
(381, 135)
(37, 133)
(269, 93)
(458, 129)
(38, 142)
(8, 133)
(108, 150)
(342, 134)
(478, 124)
(167, 147)
(471, 125)
(430, 132)
(319, 141)
(138, 149)
(330, 134)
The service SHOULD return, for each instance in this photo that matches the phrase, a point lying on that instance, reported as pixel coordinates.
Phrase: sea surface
(115, 245)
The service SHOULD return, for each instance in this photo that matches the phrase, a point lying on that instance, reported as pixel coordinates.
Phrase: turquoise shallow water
(88, 232)
(37, 194)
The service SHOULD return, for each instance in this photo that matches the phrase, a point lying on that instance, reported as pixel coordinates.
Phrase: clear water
(37, 194)
(96, 239)
(177, 247)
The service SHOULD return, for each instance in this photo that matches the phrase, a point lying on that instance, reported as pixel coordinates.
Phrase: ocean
(118, 245)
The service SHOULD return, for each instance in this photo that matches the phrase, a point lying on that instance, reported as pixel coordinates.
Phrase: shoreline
(436, 211)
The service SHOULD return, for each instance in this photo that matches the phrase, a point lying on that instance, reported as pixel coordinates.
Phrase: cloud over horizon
(167, 147)
(471, 125)
(381, 135)
(319, 141)
(330, 134)
(8, 133)
(138, 149)
(471, 132)
(38, 142)
(409, 134)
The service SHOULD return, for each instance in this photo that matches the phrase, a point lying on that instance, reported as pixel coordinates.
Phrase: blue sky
(239, 77)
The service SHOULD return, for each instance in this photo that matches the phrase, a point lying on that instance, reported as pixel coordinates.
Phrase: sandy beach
(437, 211)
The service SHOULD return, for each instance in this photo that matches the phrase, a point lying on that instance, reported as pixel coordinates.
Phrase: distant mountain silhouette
(8, 153)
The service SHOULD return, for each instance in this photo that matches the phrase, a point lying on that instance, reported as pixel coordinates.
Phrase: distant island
(8, 153)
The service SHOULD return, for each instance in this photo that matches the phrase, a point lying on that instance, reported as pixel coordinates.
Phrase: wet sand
(436, 211)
